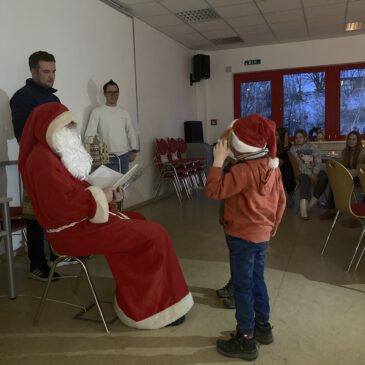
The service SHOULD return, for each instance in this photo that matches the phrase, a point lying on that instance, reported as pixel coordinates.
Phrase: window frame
(332, 93)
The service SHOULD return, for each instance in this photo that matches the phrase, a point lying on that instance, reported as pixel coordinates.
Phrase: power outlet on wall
(213, 122)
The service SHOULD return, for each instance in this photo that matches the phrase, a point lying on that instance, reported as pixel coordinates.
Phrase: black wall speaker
(201, 67)
(193, 131)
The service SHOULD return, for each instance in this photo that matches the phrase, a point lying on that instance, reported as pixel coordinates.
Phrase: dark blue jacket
(25, 100)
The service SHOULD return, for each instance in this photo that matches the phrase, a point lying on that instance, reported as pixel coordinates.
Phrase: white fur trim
(273, 163)
(102, 207)
(240, 146)
(160, 319)
(59, 122)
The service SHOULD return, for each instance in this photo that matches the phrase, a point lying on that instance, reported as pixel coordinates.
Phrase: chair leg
(95, 297)
(330, 232)
(358, 261)
(44, 296)
(357, 246)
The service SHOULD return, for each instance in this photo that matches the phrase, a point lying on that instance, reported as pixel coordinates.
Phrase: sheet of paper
(104, 177)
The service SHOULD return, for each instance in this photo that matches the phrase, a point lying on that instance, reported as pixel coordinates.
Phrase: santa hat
(252, 134)
(41, 124)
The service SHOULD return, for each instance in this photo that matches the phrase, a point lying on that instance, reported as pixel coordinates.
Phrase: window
(255, 98)
(304, 96)
(331, 98)
(352, 106)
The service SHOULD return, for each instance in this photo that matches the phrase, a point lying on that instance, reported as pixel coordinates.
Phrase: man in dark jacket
(37, 90)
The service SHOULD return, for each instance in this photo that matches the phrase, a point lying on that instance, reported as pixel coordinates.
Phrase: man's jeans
(114, 162)
(247, 265)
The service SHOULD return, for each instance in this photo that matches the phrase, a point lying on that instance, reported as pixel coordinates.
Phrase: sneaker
(42, 274)
(238, 347)
(177, 322)
(65, 262)
(226, 291)
(229, 303)
(263, 333)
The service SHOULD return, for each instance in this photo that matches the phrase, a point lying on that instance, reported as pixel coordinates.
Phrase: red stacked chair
(198, 162)
(187, 164)
(170, 171)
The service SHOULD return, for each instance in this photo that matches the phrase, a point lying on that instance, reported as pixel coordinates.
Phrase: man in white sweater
(114, 126)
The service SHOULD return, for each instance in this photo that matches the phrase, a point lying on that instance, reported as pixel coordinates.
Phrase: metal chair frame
(92, 289)
(342, 185)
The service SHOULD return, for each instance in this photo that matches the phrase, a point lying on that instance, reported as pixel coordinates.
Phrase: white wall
(92, 43)
(218, 90)
(165, 97)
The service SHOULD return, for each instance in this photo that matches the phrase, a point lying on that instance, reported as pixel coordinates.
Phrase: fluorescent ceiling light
(355, 26)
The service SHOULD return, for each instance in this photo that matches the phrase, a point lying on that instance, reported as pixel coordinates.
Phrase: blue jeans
(250, 293)
(124, 163)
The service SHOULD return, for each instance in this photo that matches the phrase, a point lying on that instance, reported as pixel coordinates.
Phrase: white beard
(68, 145)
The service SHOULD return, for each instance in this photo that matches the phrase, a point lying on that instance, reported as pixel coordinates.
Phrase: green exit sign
(252, 62)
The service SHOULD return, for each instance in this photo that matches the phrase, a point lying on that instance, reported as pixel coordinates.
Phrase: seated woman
(352, 156)
(283, 147)
(311, 173)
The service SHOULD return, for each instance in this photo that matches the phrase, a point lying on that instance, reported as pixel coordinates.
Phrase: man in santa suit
(150, 288)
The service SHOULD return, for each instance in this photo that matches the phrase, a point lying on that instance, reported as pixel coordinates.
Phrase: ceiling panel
(178, 5)
(176, 29)
(218, 34)
(254, 29)
(148, 9)
(319, 12)
(284, 16)
(267, 6)
(246, 20)
(218, 3)
(310, 3)
(260, 21)
(235, 11)
(211, 25)
(288, 26)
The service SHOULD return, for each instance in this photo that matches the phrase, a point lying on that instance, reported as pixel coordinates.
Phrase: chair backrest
(183, 147)
(173, 149)
(295, 166)
(342, 185)
(162, 151)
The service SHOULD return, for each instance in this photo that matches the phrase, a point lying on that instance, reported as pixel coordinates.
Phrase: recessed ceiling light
(355, 26)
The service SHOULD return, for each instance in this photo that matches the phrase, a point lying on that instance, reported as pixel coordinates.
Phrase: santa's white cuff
(160, 319)
(102, 208)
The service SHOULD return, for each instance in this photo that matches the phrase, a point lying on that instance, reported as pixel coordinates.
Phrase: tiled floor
(317, 307)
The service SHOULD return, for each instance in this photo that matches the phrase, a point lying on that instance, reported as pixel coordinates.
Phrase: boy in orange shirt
(254, 203)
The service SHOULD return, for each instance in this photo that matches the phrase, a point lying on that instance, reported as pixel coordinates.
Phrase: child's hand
(220, 153)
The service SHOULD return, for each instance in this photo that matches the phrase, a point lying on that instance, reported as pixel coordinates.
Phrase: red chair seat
(358, 209)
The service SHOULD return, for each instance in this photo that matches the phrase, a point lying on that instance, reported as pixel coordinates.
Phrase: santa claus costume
(150, 288)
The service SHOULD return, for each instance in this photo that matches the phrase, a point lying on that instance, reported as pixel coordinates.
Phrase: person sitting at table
(283, 147)
(311, 172)
(352, 156)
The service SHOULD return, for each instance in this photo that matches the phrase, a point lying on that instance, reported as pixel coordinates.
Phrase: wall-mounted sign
(252, 62)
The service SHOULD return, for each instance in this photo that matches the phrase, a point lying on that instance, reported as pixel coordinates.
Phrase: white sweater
(114, 126)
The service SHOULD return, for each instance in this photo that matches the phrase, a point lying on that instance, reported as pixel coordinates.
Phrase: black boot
(263, 333)
(238, 347)
(226, 291)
